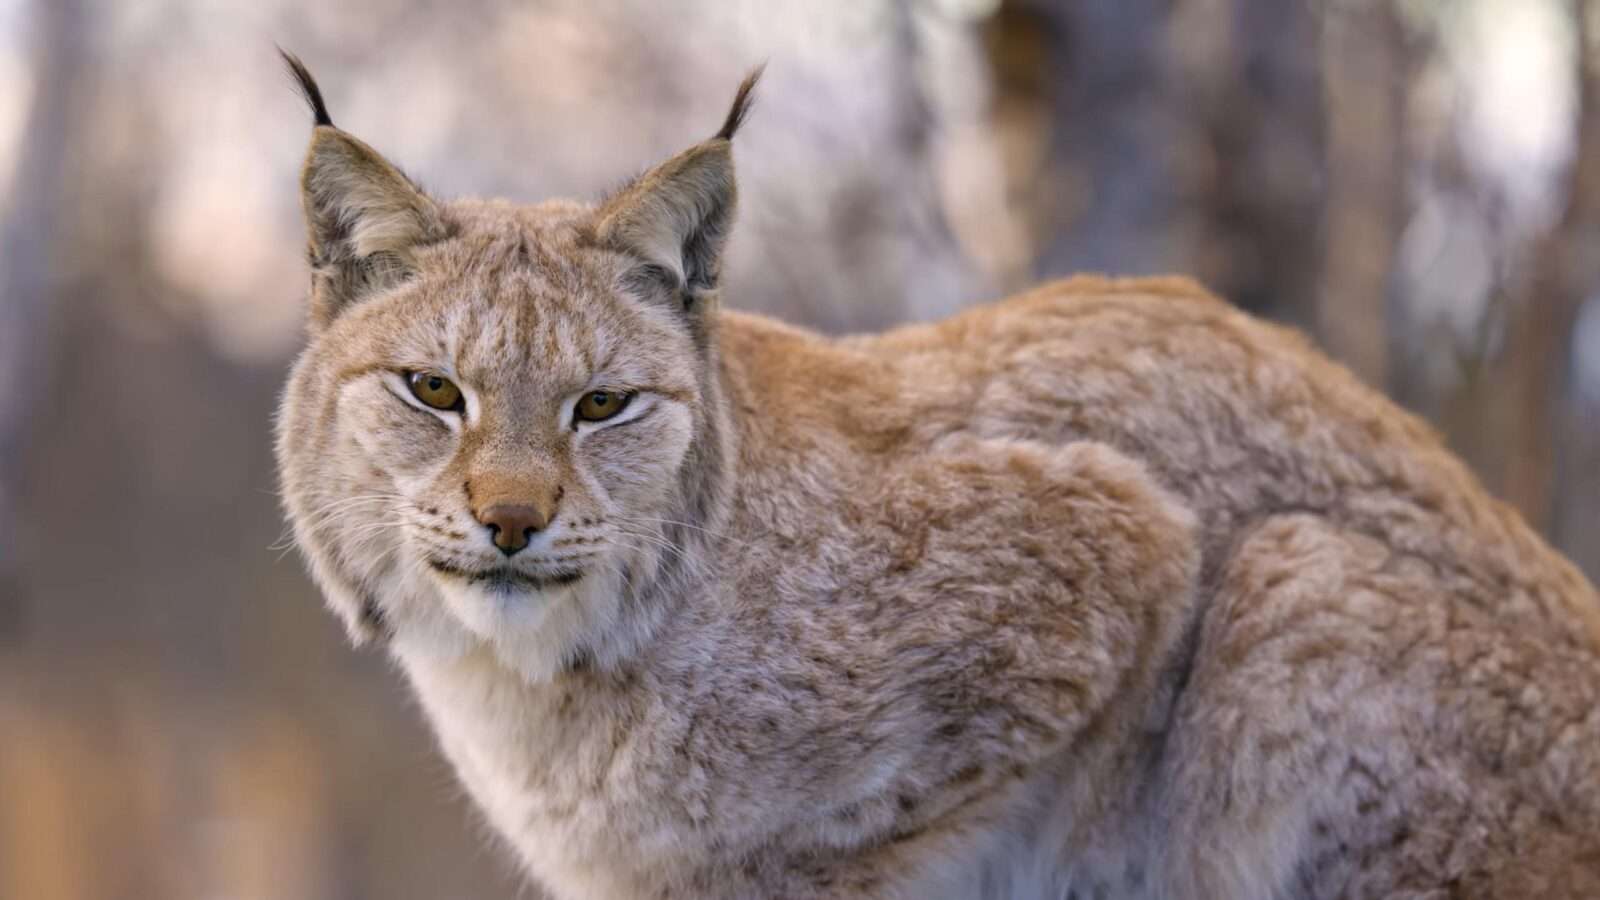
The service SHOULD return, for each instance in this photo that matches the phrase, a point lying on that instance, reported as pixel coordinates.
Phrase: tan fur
(1106, 590)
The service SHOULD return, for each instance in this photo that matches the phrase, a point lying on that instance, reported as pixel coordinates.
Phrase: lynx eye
(434, 390)
(597, 406)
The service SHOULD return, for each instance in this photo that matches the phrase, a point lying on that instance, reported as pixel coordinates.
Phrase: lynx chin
(1105, 590)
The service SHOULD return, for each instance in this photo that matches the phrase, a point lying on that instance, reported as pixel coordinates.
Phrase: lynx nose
(511, 524)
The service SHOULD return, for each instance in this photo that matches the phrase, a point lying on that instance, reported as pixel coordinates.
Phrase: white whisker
(649, 520)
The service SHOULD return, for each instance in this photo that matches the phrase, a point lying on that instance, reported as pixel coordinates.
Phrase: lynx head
(507, 421)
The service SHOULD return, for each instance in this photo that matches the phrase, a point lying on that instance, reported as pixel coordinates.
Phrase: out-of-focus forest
(1414, 182)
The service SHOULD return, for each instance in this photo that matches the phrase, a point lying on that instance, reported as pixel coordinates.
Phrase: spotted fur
(1106, 590)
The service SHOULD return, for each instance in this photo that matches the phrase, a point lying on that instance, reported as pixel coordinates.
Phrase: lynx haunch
(1106, 590)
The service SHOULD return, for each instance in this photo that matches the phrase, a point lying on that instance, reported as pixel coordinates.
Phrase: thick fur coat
(1106, 590)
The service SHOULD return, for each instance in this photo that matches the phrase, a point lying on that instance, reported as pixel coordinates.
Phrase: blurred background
(1414, 182)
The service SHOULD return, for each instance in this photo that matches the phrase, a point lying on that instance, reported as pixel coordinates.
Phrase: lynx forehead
(1102, 590)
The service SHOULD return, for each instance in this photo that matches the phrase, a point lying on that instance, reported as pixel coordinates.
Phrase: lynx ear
(363, 215)
(676, 217)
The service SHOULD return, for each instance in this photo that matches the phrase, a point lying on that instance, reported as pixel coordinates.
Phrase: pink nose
(512, 524)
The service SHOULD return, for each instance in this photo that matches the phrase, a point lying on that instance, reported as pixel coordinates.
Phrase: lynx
(1105, 590)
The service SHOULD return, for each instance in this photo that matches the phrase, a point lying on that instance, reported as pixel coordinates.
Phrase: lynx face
(488, 438)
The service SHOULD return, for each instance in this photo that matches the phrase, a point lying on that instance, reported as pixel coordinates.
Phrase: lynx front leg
(1025, 598)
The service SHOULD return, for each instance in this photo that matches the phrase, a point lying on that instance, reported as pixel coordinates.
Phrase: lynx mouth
(507, 578)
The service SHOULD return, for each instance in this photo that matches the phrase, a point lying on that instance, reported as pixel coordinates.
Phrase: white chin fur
(535, 633)
(422, 626)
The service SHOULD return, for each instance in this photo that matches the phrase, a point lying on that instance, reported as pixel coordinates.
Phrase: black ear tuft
(364, 217)
(308, 87)
(741, 103)
(674, 220)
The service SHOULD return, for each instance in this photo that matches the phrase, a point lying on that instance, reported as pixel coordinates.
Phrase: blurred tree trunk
(1152, 137)
(1365, 74)
(31, 225)
(1101, 196)
(1246, 79)
(1562, 269)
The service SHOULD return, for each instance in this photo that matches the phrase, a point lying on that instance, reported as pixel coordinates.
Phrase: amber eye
(597, 406)
(434, 390)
